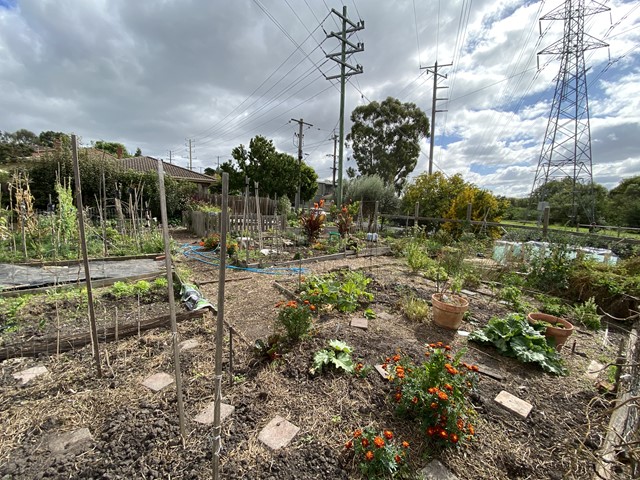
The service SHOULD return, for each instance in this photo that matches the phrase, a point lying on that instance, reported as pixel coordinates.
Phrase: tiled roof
(149, 164)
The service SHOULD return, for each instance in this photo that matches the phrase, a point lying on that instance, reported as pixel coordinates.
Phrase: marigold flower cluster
(378, 453)
(435, 392)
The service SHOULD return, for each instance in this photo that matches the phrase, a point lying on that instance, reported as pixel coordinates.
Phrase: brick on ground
(75, 441)
(383, 373)
(514, 404)
(278, 433)
(158, 381)
(435, 470)
(25, 376)
(360, 322)
(206, 415)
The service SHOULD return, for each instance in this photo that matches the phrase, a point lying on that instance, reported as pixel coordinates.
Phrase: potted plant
(556, 328)
(449, 307)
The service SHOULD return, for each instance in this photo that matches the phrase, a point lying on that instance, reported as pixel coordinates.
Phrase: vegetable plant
(514, 336)
(337, 356)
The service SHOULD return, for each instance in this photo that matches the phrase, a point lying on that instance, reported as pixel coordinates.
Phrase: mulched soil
(136, 433)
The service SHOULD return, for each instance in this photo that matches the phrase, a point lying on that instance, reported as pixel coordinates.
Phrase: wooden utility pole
(341, 58)
(190, 162)
(333, 169)
(301, 124)
(434, 70)
(85, 256)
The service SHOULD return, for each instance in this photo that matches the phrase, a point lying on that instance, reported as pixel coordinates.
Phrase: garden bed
(135, 431)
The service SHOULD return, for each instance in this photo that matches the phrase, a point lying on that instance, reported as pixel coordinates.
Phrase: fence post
(545, 222)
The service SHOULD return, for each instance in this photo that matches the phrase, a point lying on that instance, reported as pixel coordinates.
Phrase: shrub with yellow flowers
(435, 393)
(379, 454)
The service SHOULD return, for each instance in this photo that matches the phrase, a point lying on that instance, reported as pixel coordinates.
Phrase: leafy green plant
(379, 454)
(435, 393)
(550, 268)
(417, 257)
(295, 319)
(415, 309)
(513, 296)
(369, 314)
(10, 309)
(513, 336)
(122, 289)
(587, 314)
(211, 242)
(344, 292)
(269, 349)
(551, 305)
(159, 283)
(337, 356)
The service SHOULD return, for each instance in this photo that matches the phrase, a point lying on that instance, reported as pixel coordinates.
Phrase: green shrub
(417, 258)
(295, 319)
(337, 356)
(344, 292)
(379, 454)
(587, 314)
(415, 309)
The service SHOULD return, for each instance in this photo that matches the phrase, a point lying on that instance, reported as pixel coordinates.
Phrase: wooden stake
(85, 257)
(172, 302)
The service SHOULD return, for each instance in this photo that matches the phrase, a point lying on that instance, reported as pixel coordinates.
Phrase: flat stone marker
(206, 416)
(468, 293)
(514, 404)
(278, 433)
(158, 381)
(25, 376)
(489, 372)
(463, 333)
(74, 441)
(594, 369)
(435, 470)
(383, 373)
(360, 322)
(188, 344)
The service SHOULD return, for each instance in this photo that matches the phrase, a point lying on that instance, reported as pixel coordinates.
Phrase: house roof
(150, 164)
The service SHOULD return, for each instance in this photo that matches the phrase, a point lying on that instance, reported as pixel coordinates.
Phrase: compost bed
(135, 431)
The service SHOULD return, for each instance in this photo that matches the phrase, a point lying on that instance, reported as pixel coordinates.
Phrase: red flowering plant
(344, 217)
(312, 222)
(295, 318)
(380, 454)
(435, 393)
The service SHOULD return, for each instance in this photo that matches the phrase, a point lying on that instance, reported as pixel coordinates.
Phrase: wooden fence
(203, 224)
(237, 203)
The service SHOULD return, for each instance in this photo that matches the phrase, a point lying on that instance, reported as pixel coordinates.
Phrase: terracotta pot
(560, 335)
(448, 312)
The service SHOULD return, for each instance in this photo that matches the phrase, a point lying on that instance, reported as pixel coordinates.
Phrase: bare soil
(136, 433)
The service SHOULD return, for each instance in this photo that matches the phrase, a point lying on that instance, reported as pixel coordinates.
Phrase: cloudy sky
(153, 74)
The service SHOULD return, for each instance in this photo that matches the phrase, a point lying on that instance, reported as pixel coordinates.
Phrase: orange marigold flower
(384, 366)
(359, 367)
(357, 433)
(448, 386)
(447, 356)
(454, 438)
(443, 396)
(378, 442)
(397, 458)
(405, 444)
(315, 205)
(387, 360)
(365, 443)
(434, 405)
(414, 400)
(388, 434)
(447, 347)
(443, 434)
(396, 357)
(400, 374)
(312, 307)
(475, 368)
(348, 445)
(306, 302)
(432, 345)
(201, 244)
(431, 431)
(398, 397)
(460, 424)
(439, 344)
(432, 390)
(472, 431)
(368, 455)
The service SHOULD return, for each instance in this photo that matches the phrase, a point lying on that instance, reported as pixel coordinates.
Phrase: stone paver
(384, 316)
(594, 369)
(435, 470)
(278, 433)
(206, 415)
(383, 373)
(74, 441)
(360, 322)
(514, 404)
(463, 333)
(25, 376)
(158, 381)
(188, 344)
(468, 293)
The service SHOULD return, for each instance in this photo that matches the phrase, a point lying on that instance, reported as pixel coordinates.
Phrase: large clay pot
(559, 335)
(448, 309)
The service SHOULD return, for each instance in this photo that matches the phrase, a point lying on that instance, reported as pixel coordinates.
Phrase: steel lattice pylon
(566, 150)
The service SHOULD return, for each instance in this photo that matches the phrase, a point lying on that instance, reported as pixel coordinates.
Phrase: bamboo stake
(258, 218)
(172, 303)
(85, 258)
(220, 329)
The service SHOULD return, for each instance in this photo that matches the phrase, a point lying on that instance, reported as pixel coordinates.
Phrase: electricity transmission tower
(346, 70)
(566, 150)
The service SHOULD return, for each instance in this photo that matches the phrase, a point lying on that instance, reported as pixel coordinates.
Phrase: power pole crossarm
(434, 110)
